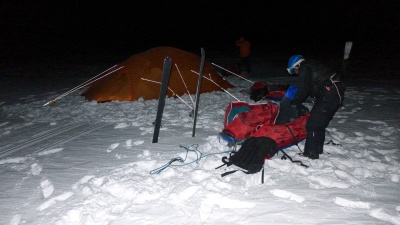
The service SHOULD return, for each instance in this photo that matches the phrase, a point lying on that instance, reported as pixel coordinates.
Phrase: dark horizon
(34, 30)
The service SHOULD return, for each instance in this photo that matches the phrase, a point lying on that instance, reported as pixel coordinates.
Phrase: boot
(314, 144)
(313, 156)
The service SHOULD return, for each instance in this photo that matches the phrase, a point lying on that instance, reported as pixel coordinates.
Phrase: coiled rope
(192, 148)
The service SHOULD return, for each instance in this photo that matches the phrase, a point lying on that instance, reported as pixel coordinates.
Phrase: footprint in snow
(51, 151)
(36, 169)
(15, 220)
(128, 143)
(16, 160)
(287, 195)
(183, 196)
(352, 204)
(146, 130)
(145, 154)
(344, 175)
(394, 178)
(139, 142)
(112, 147)
(54, 200)
(47, 188)
(121, 125)
(83, 181)
(217, 201)
(383, 215)
(325, 182)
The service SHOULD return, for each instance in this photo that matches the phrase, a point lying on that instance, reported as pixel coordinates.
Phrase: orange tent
(127, 84)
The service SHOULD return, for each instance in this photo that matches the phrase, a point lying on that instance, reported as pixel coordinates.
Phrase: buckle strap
(227, 173)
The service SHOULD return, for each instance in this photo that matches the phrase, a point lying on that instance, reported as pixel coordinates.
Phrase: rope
(192, 148)
(296, 142)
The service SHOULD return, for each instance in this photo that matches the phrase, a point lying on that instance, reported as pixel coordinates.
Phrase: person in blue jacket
(320, 82)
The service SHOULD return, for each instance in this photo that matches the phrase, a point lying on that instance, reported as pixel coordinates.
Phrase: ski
(203, 56)
(163, 93)
(347, 49)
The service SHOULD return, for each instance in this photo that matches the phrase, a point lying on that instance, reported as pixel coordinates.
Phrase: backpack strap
(225, 161)
(293, 161)
(234, 171)
(262, 176)
(229, 172)
(296, 142)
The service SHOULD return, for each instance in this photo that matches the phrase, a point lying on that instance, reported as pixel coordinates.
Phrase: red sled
(243, 120)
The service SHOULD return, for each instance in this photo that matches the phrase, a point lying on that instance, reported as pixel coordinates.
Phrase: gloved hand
(291, 92)
(302, 110)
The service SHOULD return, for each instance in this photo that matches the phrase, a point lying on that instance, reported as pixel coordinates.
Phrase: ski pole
(233, 73)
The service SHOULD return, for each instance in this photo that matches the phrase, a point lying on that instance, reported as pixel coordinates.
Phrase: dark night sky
(55, 28)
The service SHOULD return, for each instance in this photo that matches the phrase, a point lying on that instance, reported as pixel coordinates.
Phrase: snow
(80, 162)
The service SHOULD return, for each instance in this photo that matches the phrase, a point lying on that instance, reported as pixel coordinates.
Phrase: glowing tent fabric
(127, 84)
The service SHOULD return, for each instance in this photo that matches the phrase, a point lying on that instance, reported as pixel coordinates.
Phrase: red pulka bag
(243, 120)
(284, 134)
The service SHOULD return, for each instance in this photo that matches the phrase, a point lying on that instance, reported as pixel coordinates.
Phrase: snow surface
(80, 162)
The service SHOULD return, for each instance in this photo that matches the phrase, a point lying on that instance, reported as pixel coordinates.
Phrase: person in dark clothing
(324, 85)
(244, 51)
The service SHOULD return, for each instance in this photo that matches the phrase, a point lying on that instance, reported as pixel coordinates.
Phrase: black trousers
(287, 112)
(325, 107)
(245, 65)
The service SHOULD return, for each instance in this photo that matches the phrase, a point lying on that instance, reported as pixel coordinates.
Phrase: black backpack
(251, 156)
(256, 94)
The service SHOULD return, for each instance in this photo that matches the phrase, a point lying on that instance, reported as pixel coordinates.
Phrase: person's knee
(315, 128)
(314, 125)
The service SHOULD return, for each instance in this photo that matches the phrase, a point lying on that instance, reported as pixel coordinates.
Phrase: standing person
(324, 85)
(244, 51)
